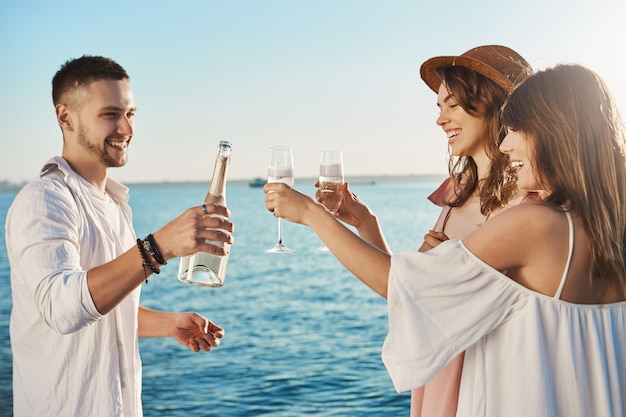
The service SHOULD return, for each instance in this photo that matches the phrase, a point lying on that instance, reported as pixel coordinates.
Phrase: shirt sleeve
(440, 302)
(43, 237)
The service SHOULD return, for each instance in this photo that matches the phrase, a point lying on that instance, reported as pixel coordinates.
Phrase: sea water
(303, 336)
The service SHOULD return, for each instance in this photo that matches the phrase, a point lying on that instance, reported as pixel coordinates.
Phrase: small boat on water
(257, 182)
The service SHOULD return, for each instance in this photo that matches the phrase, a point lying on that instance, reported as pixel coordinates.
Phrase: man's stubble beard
(95, 150)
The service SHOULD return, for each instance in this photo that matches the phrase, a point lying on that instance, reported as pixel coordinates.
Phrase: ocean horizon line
(352, 179)
(8, 186)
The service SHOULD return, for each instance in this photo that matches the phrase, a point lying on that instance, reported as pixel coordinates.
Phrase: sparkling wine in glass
(280, 169)
(331, 181)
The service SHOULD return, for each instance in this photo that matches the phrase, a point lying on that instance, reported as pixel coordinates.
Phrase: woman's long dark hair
(579, 155)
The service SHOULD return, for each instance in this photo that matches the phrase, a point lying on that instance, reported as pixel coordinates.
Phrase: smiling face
(97, 126)
(520, 148)
(465, 132)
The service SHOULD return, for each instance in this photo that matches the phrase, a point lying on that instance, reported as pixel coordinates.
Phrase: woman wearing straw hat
(536, 297)
(471, 90)
(472, 86)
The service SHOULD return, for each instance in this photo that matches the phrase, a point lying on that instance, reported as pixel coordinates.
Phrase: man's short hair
(82, 71)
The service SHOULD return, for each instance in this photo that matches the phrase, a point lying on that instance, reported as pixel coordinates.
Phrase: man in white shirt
(77, 267)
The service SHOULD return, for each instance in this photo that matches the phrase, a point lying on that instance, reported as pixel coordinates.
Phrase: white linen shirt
(68, 359)
(526, 354)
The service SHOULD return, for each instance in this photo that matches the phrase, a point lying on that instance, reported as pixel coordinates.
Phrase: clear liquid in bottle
(205, 269)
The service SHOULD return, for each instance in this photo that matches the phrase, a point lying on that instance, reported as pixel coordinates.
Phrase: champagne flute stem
(280, 231)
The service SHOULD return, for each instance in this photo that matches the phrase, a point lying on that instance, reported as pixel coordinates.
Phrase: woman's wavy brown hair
(480, 97)
(579, 156)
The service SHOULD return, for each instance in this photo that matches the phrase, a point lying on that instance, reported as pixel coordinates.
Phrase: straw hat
(500, 64)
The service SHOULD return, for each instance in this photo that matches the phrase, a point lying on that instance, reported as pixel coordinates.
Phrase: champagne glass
(331, 182)
(280, 169)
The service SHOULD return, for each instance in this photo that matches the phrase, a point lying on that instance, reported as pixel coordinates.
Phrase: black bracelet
(145, 260)
(148, 249)
(154, 249)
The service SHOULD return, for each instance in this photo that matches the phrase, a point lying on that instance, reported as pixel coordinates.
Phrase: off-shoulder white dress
(526, 354)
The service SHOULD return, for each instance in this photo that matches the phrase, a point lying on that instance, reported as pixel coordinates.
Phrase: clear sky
(311, 74)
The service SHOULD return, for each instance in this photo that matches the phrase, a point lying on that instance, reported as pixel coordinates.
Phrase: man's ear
(64, 118)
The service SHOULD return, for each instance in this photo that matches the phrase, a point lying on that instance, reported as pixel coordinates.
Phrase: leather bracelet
(153, 249)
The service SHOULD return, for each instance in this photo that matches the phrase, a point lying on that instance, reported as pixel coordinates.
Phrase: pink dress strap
(440, 197)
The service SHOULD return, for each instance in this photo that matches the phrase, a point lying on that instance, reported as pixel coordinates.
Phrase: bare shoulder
(532, 217)
(519, 236)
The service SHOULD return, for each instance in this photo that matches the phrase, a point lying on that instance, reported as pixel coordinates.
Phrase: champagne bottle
(203, 268)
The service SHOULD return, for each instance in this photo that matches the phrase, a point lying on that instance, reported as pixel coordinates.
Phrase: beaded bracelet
(153, 249)
(145, 260)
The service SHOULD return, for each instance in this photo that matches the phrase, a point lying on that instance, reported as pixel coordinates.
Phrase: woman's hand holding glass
(352, 210)
(290, 204)
(280, 170)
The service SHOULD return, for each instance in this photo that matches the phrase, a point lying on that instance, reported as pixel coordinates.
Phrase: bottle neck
(217, 190)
